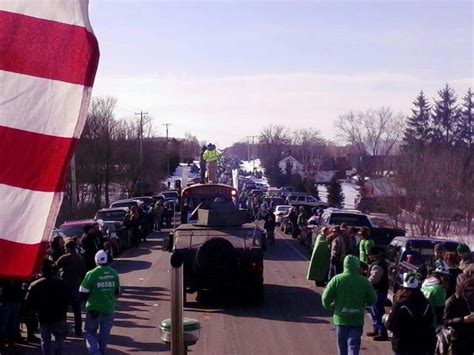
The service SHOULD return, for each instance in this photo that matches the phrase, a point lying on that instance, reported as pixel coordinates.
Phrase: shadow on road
(282, 303)
(126, 266)
(135, 346)
(142, 293)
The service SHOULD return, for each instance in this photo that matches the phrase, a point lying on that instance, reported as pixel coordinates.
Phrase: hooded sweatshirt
(348, 294)
(435, 293)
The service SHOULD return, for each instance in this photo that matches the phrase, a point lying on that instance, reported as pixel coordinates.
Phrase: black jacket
(463, 337)
(50, 298)
(411, 321)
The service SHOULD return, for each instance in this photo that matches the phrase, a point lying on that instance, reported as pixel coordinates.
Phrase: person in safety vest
(211, 156)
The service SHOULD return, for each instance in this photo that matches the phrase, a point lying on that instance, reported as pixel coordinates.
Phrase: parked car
(171, 196)
(382, 235)
(286, 190)
(296, 198)
(273, 192)
(281, 211)
(128, 202)
(112, 214)
(274, 201)
(405, 254)
(75, 228)
(112, 219)
(146, 201)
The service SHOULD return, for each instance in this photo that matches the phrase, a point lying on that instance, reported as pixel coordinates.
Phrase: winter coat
(269, 223)
(73, 269)
(378, 275)
(338, 249)
(210, 155)
(364, 247)
(319, 263)
(348, 294)
(462, 339)
(411, 322)
(453, 276)
(50, 298)
(435, 293)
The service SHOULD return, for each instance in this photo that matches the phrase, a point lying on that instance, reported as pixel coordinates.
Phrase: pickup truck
(382, 234)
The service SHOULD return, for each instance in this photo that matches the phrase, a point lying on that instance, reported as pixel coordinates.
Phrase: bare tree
(97, 135)
(373, 132)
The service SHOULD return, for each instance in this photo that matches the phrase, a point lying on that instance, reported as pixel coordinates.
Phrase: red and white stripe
(48, 61)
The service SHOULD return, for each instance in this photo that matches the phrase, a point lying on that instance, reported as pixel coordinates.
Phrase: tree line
(109, 164)
(436, 164)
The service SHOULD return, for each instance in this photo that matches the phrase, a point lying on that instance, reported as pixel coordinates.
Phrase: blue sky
(223, 70)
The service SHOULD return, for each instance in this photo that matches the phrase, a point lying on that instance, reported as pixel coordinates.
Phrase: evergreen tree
(417, 131)
(465, 128)
(445, 117)
(335, 195)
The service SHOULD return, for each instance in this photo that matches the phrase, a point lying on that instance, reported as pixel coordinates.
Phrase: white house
(289, 161)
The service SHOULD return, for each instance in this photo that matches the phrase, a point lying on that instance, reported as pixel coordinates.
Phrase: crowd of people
(74, 271)
(432, 312)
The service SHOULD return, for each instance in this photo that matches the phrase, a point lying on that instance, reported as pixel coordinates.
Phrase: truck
(221, 252)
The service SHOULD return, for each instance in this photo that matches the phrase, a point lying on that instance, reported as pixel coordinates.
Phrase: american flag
(48, 60)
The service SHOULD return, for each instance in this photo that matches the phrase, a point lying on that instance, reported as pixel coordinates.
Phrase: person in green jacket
(319, 263)
(365, 245)
(434, 289)
(347, 295)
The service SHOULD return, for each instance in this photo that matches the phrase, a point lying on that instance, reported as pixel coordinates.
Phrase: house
(291, 164)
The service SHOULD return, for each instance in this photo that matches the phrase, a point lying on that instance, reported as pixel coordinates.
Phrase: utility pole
(167, 151)
(248, 150)
(140, 135)
(73, 183)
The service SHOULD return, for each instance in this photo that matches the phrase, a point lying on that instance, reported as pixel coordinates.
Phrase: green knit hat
(463, 248)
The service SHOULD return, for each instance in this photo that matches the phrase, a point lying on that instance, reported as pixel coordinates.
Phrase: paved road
(291, 321)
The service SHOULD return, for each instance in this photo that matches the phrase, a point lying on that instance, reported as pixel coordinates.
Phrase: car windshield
(146, 200)
(125, 204)
(284, 209)
(277, 201)
(349, 219)
(74, 230)
(170, 194)
(381, 222)
(111, 215)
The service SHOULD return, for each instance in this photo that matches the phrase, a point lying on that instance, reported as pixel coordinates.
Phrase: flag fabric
(48, 60)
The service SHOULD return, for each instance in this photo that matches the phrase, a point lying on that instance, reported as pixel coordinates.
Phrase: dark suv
(405, 254)
(221, 253)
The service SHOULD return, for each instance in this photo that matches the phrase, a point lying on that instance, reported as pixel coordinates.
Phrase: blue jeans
(348, 339)
(97, 345)
(59, 330)
(377, 311)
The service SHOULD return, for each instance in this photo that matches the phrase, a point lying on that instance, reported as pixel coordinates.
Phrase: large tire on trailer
(216, 256)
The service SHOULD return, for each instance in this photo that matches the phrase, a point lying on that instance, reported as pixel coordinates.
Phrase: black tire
(216, 256)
